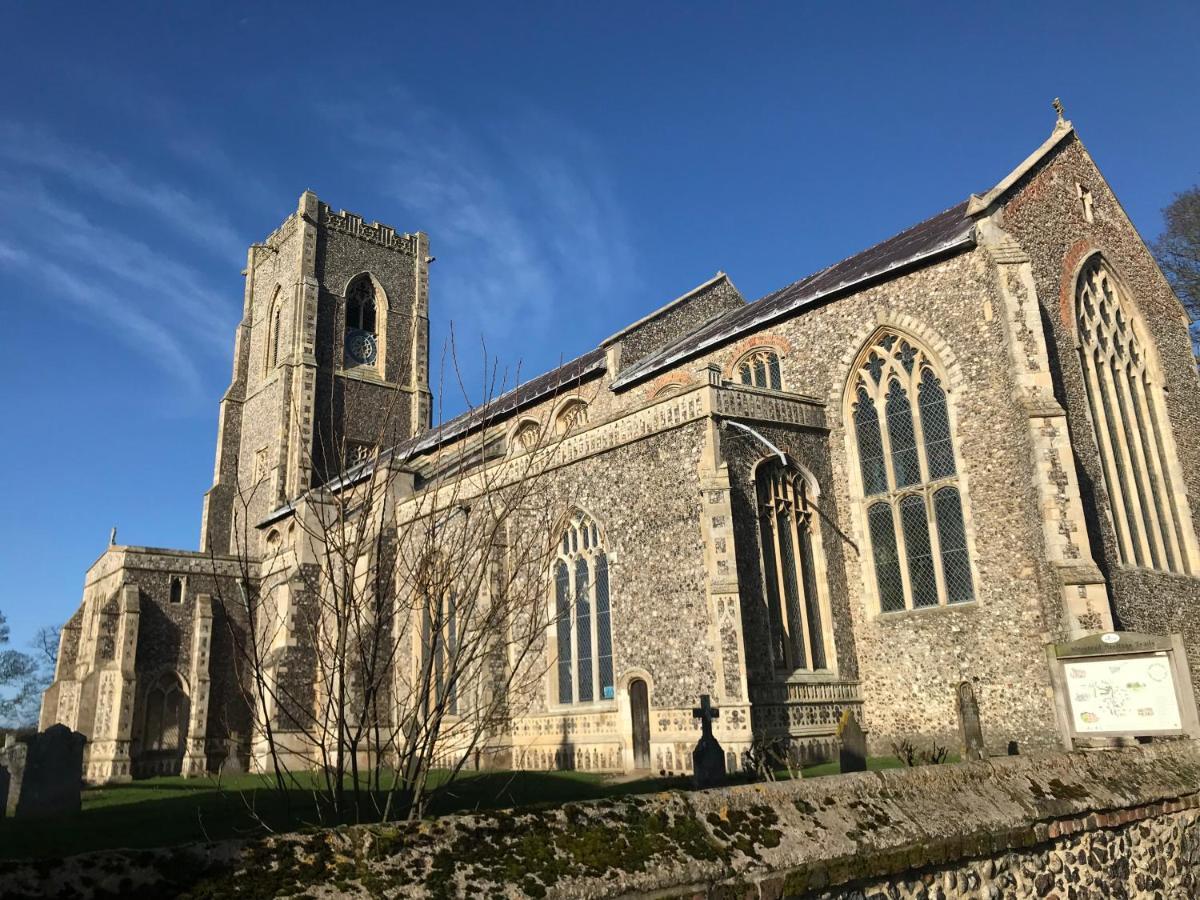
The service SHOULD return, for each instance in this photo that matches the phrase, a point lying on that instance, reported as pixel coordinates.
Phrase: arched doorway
(639, 711)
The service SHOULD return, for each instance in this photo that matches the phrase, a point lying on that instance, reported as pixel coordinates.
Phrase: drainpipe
(763, 440)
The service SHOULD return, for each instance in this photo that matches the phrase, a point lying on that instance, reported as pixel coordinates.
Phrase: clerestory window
(760, 368)
(910, 481)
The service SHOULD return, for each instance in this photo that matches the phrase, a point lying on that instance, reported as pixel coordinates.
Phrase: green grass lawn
(158, 812)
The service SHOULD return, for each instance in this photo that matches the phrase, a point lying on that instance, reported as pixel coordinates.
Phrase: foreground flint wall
(1103, 823)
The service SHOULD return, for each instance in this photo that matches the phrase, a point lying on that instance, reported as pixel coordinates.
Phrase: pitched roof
(943, 233)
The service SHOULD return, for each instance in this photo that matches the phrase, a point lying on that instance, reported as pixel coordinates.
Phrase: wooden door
(639, 709)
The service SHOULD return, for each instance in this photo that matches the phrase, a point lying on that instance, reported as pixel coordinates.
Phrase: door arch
(639, 713)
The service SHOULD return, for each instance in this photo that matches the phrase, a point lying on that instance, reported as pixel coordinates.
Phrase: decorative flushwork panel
(743, 404)
(374, 232)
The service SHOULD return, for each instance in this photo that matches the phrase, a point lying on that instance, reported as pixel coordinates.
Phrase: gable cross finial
(1058, 108)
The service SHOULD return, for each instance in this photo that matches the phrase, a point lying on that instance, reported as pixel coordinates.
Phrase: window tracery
(760, 368)
(361, 338)
(572, 417)
(789, 531)
(909, 478)
(583, 615)
(1130, 426)
(526, 435)
(165, 721)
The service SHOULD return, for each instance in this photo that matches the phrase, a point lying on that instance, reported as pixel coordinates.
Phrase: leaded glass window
(583, 615)
(1149, 512)
(794, 589)
(887, 562)
(910, 478)
(760, 368)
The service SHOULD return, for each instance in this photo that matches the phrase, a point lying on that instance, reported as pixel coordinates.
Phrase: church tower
(331, 359)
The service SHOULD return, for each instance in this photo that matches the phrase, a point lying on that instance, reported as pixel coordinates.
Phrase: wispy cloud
(32, 148)
(133, 326)
(113, 270)
(529, 237)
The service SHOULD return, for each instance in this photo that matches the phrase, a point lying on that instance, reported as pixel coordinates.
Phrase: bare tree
(401, 625)
(1178, 252)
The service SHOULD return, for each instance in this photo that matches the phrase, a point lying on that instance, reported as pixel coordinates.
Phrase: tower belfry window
(361, 346)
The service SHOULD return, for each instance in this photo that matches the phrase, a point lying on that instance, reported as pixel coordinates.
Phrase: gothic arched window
(909, 478)
(526, 435)
(274, 331)
(791, 544)
(1131, 427)
(165, 722)
(583, 615)
(361, 310)
(438, 670)
(572, 416)
(760, 368)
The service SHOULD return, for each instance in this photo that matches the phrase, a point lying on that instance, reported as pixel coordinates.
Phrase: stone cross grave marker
(852, 757)
(708, 759)
(969, 727)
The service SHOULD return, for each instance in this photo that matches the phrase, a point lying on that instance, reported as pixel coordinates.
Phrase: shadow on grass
(162, 812)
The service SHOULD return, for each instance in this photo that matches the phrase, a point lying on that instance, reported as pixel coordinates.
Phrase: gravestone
(708, 759)
(969, 728)
(852, 757)
(45, 774)
(12, 772)
(232, 764)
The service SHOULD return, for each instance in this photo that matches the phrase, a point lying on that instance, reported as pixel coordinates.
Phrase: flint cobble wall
(910, 663)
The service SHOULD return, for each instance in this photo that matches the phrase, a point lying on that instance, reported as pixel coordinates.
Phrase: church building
(912, 469)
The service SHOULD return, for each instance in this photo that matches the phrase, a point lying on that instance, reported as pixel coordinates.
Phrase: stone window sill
(899, 614)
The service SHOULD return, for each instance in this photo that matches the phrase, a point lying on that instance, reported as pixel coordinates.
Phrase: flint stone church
(909, 470)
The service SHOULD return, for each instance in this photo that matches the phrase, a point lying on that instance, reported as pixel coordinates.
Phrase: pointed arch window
(362, 308)
(789, 532)
(1132, 433)
(582, 615)
(274, 332)
(760, 368)
(165, 722)
(572, 417)
(909, 478)
(438, 670)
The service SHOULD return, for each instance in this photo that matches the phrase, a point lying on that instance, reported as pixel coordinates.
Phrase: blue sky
(575, 166)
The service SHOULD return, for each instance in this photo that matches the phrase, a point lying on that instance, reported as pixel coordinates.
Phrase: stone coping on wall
(760, 840)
